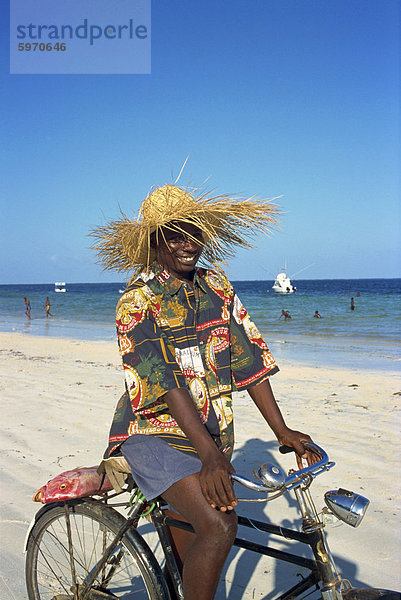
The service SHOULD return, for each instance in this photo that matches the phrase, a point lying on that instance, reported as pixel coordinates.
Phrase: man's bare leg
(205, 551)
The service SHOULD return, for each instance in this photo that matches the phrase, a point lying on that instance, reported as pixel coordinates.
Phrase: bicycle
(85, 549)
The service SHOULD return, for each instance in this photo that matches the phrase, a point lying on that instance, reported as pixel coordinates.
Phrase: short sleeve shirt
(172, 335)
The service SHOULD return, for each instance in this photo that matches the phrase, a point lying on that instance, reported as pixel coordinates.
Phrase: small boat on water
(283, 284)
(59, 286)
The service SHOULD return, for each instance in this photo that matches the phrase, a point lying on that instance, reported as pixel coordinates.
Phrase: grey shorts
(156, 465)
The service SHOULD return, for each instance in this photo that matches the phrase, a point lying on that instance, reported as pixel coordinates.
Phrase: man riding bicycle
(187, 343)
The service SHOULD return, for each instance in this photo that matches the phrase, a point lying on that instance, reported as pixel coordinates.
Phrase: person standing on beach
(27, 308)
(185, 339)
(47, 307)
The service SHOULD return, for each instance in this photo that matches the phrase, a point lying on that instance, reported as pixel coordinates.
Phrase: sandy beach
(57, 400)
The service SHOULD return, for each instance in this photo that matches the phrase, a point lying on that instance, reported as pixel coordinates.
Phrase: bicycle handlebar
(311, 469)
(294, 478)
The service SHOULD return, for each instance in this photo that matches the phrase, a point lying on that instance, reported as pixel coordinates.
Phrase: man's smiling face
(180, 253)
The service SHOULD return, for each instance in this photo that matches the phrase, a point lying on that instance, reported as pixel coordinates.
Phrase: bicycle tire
(137, 575)
(370, 594)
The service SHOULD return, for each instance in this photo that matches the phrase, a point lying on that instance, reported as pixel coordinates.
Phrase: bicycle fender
(39, 514)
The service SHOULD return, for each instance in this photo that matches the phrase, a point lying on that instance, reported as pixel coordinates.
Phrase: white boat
(283, 284)
(59, 286)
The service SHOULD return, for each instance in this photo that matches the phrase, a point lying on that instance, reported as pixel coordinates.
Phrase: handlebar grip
(286, 449)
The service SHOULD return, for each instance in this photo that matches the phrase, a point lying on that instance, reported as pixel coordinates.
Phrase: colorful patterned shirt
(172, 335)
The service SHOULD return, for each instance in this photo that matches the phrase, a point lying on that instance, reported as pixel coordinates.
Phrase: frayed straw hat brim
(226, 223)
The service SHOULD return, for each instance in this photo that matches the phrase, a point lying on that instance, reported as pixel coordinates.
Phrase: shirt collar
(172, 284)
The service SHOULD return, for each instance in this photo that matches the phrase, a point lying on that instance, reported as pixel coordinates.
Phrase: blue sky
(290, 98)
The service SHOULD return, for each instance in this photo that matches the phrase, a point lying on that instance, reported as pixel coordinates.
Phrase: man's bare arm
(263, 396)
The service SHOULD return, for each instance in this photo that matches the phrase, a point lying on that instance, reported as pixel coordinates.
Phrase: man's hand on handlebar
(294, 439)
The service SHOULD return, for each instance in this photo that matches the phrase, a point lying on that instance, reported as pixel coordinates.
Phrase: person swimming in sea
(285, 314)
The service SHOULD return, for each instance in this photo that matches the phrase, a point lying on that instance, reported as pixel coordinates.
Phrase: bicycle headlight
(347, 506)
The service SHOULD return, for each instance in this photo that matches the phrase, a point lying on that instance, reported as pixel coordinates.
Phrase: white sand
(58, 397)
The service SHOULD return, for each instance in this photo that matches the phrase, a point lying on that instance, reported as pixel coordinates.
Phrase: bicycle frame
(310, 539)
(319, 567)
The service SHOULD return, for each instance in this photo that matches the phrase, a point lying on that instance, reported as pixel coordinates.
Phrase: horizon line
(233, 280)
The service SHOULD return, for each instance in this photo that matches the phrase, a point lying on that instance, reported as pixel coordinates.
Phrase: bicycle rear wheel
(131, 573)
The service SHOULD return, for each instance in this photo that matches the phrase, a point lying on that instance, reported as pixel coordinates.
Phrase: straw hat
(225, 222)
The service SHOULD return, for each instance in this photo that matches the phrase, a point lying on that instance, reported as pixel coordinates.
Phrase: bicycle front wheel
(53, 571)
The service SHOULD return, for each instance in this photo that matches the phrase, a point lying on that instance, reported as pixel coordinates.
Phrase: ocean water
(369, 336)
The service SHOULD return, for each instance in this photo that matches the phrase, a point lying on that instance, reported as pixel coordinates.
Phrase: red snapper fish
(77, 483)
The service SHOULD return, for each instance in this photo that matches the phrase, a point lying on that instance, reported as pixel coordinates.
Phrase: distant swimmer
(352, 304)
(316, 315)
(358, 294)
(285, 314)
(47, 307)
(27, 308)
